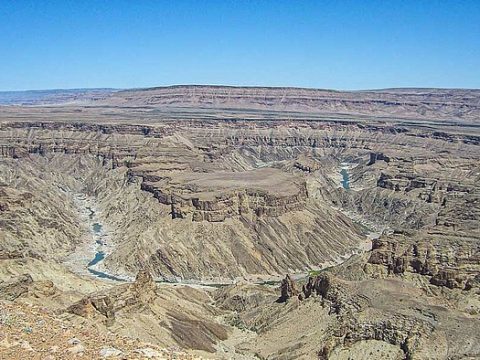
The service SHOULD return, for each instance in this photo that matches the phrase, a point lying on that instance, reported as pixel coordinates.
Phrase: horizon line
(234, 86)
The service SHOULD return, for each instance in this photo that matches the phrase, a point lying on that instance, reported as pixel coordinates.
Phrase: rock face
(308, 288)
(374, 157)
(452, 264)
(144, 287)
(37, 219)
(214, 198)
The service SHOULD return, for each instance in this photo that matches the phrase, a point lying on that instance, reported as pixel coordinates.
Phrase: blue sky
(324, 44)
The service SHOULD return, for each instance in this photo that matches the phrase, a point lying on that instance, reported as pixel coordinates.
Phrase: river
(100, 241)
(95, 246)
(345, 176)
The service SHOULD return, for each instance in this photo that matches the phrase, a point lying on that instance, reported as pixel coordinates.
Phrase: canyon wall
(248, 182)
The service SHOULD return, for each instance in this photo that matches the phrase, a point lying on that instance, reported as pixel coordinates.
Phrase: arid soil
(217, 193)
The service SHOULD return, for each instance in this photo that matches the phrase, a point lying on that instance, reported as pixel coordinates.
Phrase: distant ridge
(408, 103)
(53, 96)
(399, 89)
(405, 103)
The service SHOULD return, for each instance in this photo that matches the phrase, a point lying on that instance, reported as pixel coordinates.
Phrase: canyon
(169, 216)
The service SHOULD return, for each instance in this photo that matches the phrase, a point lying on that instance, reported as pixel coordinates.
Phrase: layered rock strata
(249, 179)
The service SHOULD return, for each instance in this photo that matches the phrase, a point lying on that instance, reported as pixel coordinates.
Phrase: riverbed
(345, 176)
(100, 239)
(345, 179)
(95, 244)
(372, 231)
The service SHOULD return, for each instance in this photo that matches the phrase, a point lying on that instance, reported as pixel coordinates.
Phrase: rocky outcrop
(420, 258)
(221, 206)
(334, 292)
(374, 157)
(106, 305)
(360, 314)
(307, 164)
(308, 288)
(287, 289)
(403, 331)
(144, 288)
(473, 283)
(25, 286)
(15, 288)
(451, 278)
(447, 264)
